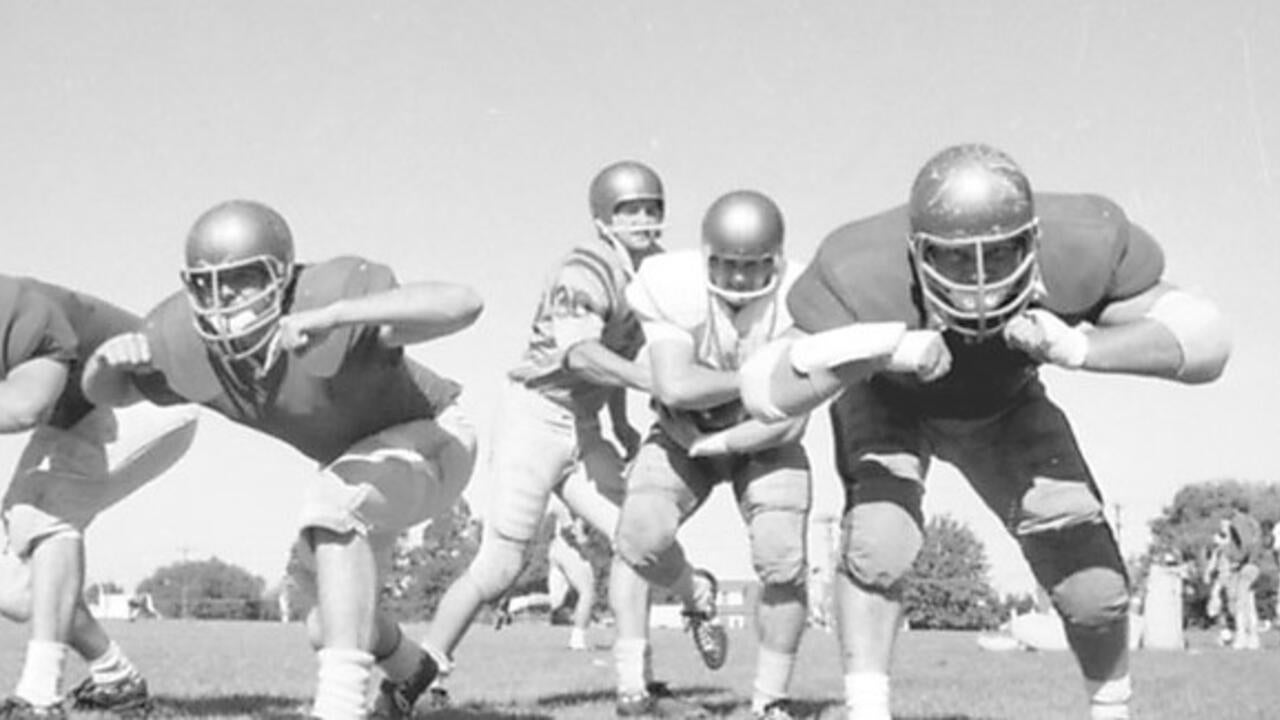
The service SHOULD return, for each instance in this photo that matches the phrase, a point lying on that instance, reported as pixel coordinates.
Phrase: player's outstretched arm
(29, 392)
(408, 314)
(590, 360)
(791, 376)
(1162, 332)
(680, 381)
(109, 372)
(749, 436)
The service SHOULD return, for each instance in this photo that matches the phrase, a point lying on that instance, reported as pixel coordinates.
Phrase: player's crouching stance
(312, 354)
(61, 483)
(1012, 281)
(704, 313)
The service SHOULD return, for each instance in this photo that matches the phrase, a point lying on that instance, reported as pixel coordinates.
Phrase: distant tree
(424, 567)
(1185, 529)
(205, 589)
(948, 586)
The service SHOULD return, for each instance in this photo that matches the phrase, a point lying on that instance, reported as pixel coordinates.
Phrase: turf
(222, 669)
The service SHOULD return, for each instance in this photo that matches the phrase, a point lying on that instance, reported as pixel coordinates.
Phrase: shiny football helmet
(742, 235)
(239, 264)
(974, 236)
(624, 182)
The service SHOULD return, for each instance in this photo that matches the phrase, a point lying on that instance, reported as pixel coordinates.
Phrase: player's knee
(645, 530)
(1093, 597)
(778, 548)
(880, 543)
(496, 567)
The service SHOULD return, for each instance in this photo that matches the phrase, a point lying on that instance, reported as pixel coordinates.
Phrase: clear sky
(455, 141)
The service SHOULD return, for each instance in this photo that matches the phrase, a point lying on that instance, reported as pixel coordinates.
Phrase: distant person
(61, 483)
(1244, 552)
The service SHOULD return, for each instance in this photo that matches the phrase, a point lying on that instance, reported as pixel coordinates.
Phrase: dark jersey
(41, 320)
(320, 401)
(1090, 255)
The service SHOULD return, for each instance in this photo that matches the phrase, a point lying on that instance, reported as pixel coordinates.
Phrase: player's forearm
(694, 387)
(1181, 337)
(772, 389)
(413, 313)
(592, 362)
(750, 436)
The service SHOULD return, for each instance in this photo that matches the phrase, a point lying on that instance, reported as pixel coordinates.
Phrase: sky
(455, 141)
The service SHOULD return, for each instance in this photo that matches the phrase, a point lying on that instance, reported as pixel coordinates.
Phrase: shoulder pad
(671, 288)
(324, 283)
(178, 351)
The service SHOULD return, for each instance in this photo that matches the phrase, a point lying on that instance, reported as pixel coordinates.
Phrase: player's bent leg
(1082, 568)
(494, 570)
(881, 536)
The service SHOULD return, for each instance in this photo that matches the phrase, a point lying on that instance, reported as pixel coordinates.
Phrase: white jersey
(671, 298)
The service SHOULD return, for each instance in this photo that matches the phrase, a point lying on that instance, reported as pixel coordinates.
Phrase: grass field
(214, 669)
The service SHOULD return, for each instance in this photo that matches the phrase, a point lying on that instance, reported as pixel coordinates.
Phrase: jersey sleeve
(578, 304)
(643, 296)
(344, 278)
(37, 328)
(813, 301)
(1139, 263)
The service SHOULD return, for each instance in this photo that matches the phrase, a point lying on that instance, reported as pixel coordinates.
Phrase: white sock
(41, 679)
(1109, 699)
(403, 662)
(343, 684)
(866, 695)
(629, 656)
(111, 666)
(577, 638)
(773, 676)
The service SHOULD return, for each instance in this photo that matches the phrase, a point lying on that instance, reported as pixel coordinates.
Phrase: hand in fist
(1047, 339)
(923, 353)
(130, 352)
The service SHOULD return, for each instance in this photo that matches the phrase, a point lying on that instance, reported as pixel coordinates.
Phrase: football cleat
(657, 701)
(396, 699)
(709, 636)
(15, 708)
(124, 697)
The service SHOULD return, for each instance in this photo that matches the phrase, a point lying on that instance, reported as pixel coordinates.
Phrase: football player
(580, 358)
(60, 484)
(935, 349)
(313, 354)
(704, 313)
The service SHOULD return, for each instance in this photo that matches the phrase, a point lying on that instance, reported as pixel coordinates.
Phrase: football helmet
(624, 182)
(239, 264)
(742, 236)
(973, 239)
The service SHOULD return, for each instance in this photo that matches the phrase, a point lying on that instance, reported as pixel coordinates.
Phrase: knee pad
(1093, 598)
(496, 567)
(880, 543)
(778, 547)
(646, 528)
